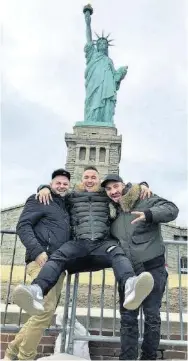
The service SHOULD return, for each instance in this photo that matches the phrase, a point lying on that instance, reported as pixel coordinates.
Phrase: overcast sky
(43, 90)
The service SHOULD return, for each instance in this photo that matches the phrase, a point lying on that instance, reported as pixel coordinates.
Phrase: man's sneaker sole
(142, 289)
(24, 299)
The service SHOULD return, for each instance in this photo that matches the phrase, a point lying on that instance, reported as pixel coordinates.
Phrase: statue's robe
(100, 86)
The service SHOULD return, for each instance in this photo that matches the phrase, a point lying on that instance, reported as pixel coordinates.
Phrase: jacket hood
(129, 199)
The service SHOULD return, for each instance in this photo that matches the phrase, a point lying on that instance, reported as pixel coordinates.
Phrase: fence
(72, 293)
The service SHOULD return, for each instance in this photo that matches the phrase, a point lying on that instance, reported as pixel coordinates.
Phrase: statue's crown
(103, 37)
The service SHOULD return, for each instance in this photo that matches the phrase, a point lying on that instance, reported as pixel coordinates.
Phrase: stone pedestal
(93, 145)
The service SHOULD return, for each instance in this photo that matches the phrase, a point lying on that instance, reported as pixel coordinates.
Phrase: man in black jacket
(91, 242)
(137, 226)
(42, 230)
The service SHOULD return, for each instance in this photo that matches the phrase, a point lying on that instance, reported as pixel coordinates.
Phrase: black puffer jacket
(43, 228)
(89, 214)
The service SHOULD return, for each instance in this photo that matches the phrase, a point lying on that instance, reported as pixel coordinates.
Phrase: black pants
(129, 322)
(101, 254)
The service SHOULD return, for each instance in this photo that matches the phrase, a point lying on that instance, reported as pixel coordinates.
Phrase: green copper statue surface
(101, 79)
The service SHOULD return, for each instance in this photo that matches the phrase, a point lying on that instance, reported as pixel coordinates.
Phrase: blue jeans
(129, 321)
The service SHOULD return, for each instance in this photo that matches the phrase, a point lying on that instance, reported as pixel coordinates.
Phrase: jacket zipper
(48, 243)
(128, 237)
(92, 232)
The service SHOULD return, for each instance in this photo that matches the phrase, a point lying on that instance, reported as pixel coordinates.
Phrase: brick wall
(45, 348)
(99, 350)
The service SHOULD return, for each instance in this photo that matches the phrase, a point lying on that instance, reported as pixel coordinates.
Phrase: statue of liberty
(101, 79)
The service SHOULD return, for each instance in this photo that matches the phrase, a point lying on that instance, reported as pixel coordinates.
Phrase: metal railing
(72, 294)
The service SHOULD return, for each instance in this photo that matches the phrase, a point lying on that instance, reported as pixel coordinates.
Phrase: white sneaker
(137, 288)
(30, 298)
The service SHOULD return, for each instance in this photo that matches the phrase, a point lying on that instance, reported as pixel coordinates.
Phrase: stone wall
(174, 252)
(10, 216)
(9, 219)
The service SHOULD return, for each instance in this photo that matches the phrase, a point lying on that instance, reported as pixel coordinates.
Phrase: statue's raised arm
(88, 11)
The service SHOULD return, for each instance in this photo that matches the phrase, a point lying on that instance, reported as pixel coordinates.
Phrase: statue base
(99, 146)
(95, 124)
